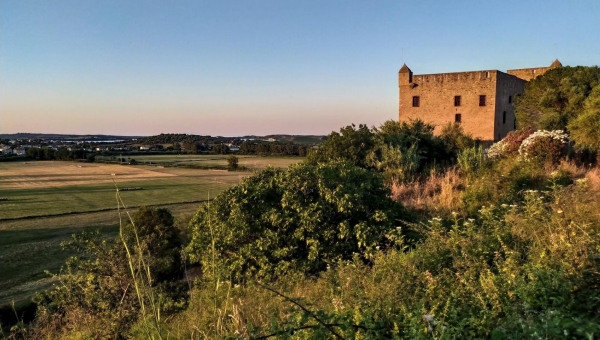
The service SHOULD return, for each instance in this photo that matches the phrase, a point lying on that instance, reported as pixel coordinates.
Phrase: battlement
(453, 77)
(480, 101)
(529, 73)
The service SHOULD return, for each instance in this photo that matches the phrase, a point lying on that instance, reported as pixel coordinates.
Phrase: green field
(29, 247)
(46, 202)
(216, 161)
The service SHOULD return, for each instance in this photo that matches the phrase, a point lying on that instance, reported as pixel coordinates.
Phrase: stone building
(481, 101)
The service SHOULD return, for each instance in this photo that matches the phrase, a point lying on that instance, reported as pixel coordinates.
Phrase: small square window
(416, 101)
(456, 100)
(457, 118)
(482, 100)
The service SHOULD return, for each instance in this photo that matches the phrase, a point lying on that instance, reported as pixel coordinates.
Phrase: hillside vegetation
(382, 233)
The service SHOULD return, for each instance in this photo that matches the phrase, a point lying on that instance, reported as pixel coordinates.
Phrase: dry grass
(593, 179)
(439, 192)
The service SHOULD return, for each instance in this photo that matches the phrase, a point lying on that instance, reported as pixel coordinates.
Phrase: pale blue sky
(258, 67)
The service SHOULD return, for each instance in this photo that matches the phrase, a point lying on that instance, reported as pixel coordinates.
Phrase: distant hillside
(300, 139)
(23, 135)
(170, 138)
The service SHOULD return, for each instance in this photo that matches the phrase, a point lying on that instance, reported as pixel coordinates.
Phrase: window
(510, 99)
(504, 117)
(515, 124)
(457, 118)
(482, 100)
(416, 101)
(456, 100)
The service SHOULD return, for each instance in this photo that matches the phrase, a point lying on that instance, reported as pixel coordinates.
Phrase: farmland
(215, 161)
(48, 201)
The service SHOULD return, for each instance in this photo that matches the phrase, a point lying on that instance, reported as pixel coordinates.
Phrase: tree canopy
(553, 100)
(299, 219)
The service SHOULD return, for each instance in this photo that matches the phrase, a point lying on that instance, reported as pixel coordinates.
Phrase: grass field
(49, 201)
(29, 247)
(50, 188)
(249, 162)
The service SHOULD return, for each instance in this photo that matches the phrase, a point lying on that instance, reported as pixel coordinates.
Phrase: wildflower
(559, 211)
(429, 318)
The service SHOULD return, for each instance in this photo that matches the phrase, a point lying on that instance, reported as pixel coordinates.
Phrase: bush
(521, 271)
(544, 146)
(509, 145)
(232, 162)
(301, 219)
(101, 292)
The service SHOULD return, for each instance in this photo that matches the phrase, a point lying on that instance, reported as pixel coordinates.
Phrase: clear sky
(258, 67)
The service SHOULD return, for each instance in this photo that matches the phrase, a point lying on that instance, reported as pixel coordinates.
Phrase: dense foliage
(61, 154)
(585, 128)
(301, 219)
(400, 151)
(273, 148)
(172, 138)
(104, 287)
(558, 100)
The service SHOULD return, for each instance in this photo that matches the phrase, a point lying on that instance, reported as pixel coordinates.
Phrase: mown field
(46, 202)
(29, 247)
(216, 161)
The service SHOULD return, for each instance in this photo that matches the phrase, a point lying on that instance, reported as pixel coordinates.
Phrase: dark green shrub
(301, 219)
(232, 162)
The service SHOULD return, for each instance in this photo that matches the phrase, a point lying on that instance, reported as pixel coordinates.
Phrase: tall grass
(141, 275)
(438, 193)
(525, 270)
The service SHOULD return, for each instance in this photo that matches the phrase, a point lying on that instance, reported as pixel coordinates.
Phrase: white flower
(497, 149)
(556, 135)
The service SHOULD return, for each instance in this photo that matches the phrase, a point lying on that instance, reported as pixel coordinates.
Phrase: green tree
(351, 145)
(552, 100)
(232, 162)
(585, 129)
(300, 219)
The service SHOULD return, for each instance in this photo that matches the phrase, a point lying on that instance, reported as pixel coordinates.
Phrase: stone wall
(437, 92)
(528, 73)
(507, 87)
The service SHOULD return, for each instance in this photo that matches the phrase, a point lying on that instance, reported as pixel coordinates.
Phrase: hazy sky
(258, 67)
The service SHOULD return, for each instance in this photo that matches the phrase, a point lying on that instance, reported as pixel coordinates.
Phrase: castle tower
(404, 76)
(555, 64)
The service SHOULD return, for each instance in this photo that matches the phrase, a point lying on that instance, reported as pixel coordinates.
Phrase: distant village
(163, 143)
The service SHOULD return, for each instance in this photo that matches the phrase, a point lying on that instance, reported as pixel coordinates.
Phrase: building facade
(481, 101)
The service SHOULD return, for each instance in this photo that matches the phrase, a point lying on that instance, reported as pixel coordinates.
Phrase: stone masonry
(481, 101)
